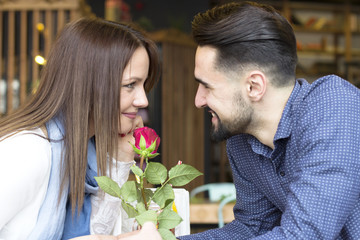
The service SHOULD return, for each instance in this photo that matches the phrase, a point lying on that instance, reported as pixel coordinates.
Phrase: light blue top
(53, 220)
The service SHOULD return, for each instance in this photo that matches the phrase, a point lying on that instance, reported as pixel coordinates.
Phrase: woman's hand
(125, 151)
(148, 231)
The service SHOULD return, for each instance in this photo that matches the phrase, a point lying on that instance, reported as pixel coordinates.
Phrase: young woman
(78, 124)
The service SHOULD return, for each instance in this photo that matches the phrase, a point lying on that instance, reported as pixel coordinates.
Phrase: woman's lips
(130, 115)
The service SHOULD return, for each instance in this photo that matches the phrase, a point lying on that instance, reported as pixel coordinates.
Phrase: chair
(224, 192)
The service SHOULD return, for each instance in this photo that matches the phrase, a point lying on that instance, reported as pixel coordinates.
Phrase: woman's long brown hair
(81, 83)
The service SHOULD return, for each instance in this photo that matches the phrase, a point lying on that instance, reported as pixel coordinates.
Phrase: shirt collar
(285, 125)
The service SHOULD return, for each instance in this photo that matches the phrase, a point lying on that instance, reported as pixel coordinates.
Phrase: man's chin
(219, 135)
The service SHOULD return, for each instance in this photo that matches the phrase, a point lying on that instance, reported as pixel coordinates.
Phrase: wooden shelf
(338, 21)
(320, 31)
(207, 213)
(335, 6)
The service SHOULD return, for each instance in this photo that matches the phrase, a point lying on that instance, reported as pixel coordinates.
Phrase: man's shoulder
(326, 90)
(329, 101)
(334, 84)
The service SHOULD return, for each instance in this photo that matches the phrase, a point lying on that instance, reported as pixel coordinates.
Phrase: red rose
(149, 135)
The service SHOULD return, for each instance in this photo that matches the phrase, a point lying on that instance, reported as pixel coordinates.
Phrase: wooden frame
(353, 73)
(181, 123)
(27, 29)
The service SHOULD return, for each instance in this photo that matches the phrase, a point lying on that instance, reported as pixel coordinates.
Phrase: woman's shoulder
(28, 147)
(32, 137)
(26, 165)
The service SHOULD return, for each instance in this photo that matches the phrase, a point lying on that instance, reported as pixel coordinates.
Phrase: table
(207, 213)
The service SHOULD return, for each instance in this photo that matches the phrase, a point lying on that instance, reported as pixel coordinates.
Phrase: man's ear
(256, 83)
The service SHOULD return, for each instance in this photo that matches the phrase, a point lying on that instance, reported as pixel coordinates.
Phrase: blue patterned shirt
(308, 187)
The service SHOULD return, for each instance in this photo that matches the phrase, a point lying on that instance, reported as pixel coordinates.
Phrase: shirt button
(282, 173)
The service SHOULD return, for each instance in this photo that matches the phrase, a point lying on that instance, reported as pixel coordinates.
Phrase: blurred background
(153, 14)
(328, 35)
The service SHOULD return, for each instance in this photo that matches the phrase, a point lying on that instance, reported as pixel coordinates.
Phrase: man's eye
(206, 86)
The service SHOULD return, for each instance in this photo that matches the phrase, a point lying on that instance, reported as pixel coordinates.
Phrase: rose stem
(141, 163)
(142, 185)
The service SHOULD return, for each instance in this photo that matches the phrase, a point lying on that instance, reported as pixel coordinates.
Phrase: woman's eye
(130, 85)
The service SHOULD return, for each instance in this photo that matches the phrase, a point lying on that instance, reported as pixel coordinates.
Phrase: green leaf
(152, 146)
(182, 174)
(142, 143)
(139, 195)
(168, 219)
(156, 173)
(150, 155)
(136, 170)
(168, 204)
(129, 209)
(148, 194)
(128, 191)
(140, 206)
(148, 216)
(109, 186)
(163, 196)
(166, 234)
(136, 150)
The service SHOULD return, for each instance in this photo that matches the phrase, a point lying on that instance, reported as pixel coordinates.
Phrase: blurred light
(40, 27)
(40, 60)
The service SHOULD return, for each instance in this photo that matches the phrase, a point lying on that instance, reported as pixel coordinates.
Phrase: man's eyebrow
(202, 82)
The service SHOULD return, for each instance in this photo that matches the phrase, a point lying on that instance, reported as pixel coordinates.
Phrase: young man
(293, 146)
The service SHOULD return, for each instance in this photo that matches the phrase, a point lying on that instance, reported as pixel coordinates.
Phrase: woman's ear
(256, 83)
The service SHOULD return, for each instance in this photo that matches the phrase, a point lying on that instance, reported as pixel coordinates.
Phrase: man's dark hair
(249, 33)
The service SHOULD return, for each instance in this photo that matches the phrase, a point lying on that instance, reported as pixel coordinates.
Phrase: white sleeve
(106, 209)
(25, 163)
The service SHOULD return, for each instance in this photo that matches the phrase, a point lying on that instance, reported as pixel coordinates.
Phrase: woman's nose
(141, 100)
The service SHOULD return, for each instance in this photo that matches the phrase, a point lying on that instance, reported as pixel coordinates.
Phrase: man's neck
(268, 113)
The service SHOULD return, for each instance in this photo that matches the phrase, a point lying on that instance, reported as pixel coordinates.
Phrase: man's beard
(240, 122)
(220, 133)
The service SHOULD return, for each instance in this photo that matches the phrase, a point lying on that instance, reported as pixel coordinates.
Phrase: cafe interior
(328, 34)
